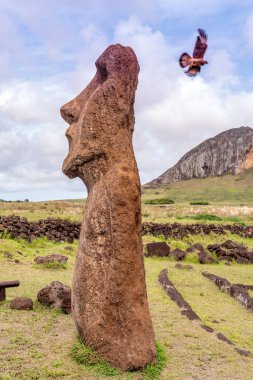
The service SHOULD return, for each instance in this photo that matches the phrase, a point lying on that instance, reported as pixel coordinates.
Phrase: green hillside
(229, 189)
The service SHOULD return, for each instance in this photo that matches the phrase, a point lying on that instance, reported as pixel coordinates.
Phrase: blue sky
(47, 55)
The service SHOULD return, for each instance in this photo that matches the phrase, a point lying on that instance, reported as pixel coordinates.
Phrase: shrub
(161, 201)
(199, 203)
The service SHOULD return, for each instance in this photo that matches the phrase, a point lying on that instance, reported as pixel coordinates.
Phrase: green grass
(88, 357)
(206, 217)
(191, 352)
(51, 265)
(228, 190)
(160, 201)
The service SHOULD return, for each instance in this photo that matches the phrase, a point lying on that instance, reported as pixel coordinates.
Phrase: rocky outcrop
(229, 152)
(109, 299)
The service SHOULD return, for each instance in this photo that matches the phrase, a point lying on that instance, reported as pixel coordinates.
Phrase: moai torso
(109, 300)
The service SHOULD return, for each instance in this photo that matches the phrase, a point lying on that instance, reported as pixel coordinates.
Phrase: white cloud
(174, 113)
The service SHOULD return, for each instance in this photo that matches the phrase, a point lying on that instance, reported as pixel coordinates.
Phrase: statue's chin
(69, 168)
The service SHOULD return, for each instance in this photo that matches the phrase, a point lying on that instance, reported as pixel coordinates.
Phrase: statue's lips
(71, 165)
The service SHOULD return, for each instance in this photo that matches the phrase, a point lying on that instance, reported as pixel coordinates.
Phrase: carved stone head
(98, 118)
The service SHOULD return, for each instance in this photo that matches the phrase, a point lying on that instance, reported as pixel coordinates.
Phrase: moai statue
(109, 298)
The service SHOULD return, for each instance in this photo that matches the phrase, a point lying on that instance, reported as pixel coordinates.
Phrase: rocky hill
(229, 152)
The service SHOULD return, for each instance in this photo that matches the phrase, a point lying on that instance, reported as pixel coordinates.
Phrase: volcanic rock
(54, 295)
(205, 258)
(178, 254)
(109, 302)
(228, 152)
(160, 249)
(21, 303)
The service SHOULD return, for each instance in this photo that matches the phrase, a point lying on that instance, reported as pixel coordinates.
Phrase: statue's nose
(70, 112)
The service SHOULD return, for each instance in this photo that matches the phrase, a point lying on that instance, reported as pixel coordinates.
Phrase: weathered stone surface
(109, 300)
(228, 152)
(160, 249)
(55, 295)
(21, 303)
(54, 258)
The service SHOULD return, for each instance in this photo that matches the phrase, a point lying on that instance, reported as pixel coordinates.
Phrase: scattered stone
(69, 248)
(54, 258)
(225, 339)
(54, 294)
(181, 266)
(230, 250)
(21, 303)
(8, 255)
(205, 258)
(160, 249)
(243, 352)
(178, 254)
(198, 247)
(228, 263)
(207, 328)
(109, 303)
(174, 294)
(238, 291)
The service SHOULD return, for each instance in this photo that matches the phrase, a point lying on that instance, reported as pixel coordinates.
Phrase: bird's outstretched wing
(193, 71)
(200, 45)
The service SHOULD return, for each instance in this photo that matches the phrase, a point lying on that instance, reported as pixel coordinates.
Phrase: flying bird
(196, 60)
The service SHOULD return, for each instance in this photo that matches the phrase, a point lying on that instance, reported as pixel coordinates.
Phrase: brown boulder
(21, 303)
(205, 258)
(109, 302)
(55, 295)
(157, 249)
(178, 254)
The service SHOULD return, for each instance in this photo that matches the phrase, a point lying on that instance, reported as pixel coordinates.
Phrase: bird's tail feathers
(184, 60)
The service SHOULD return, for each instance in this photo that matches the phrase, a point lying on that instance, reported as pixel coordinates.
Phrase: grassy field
(37, 344)
(227, 190)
